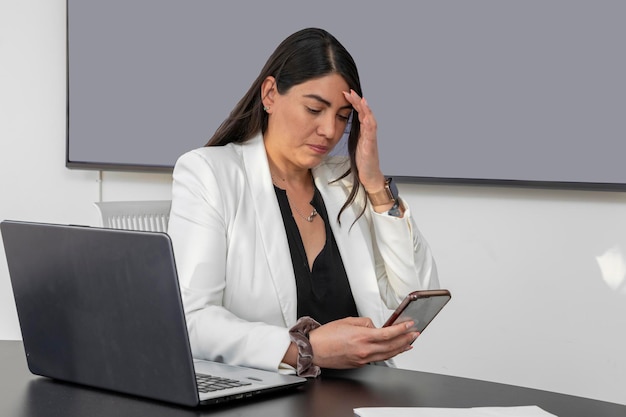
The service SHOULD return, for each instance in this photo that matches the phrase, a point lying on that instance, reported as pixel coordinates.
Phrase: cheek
(301, 125)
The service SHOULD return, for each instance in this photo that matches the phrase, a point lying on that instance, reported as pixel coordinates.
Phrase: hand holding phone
(421, 307)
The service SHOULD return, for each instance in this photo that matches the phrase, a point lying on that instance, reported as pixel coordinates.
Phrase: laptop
(102, 307)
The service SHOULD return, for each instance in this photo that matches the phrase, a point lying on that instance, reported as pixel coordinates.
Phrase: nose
(327, 125)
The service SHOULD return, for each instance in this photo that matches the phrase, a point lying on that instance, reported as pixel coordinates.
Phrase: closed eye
(343, 118)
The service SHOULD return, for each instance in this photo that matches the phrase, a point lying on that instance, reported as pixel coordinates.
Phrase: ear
(268, 91)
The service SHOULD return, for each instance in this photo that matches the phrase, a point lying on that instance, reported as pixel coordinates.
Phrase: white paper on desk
(525, 411)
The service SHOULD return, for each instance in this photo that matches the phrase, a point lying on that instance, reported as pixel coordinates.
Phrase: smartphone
(421, 307)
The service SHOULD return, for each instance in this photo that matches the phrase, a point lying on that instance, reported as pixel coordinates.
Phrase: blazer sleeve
(403, 258)
(198, 229)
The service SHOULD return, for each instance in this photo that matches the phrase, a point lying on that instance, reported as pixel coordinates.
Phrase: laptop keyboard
(209, 383)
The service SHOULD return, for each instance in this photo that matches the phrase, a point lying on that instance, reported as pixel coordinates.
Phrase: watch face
(395, 211)
(393, 189)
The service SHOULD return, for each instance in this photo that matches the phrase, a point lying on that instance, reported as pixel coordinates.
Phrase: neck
(284, 176)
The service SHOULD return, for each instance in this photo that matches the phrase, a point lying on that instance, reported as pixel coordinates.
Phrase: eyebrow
(326, 102)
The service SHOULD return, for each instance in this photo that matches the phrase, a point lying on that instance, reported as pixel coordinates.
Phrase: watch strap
(384, 196)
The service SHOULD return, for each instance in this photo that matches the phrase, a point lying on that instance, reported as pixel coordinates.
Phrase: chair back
(151, 215)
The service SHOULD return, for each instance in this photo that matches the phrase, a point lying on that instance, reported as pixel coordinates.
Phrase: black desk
(334, 394)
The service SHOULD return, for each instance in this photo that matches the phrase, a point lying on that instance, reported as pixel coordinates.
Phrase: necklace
(308, 218)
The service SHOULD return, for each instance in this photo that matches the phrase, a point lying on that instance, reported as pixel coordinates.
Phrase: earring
(266, 108)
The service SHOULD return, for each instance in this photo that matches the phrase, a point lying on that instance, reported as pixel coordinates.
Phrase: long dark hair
(305, 55)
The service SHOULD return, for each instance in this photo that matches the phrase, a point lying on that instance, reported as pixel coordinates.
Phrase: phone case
(421, 307)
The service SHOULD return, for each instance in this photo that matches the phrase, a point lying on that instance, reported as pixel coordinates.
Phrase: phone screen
(421, 307)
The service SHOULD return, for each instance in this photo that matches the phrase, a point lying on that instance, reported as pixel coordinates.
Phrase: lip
(321, 149)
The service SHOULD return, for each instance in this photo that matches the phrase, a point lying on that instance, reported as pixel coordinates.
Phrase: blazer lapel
(271, 227)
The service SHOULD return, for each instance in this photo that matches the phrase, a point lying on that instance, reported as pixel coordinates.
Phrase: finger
(392, 337)
(364, 112)
(390, 349)
(399, 343)
(358, 103)
(403, 327)
(366, 117)
(352, 97)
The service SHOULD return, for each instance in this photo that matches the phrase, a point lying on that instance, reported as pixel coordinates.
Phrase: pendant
(311, 216)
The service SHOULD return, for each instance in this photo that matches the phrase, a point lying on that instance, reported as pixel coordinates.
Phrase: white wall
(538, 277)
(539, 287)
(34, 183)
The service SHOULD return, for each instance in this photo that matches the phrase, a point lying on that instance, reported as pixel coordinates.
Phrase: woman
(290, 258)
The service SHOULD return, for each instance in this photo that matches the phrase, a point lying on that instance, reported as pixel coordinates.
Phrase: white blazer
(236, 277)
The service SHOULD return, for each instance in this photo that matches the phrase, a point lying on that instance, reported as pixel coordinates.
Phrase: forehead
(330, 87)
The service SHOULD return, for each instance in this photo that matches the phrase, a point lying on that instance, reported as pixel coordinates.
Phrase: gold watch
(387, 195)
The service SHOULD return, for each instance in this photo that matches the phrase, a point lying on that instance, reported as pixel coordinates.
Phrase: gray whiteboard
(493, 91)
